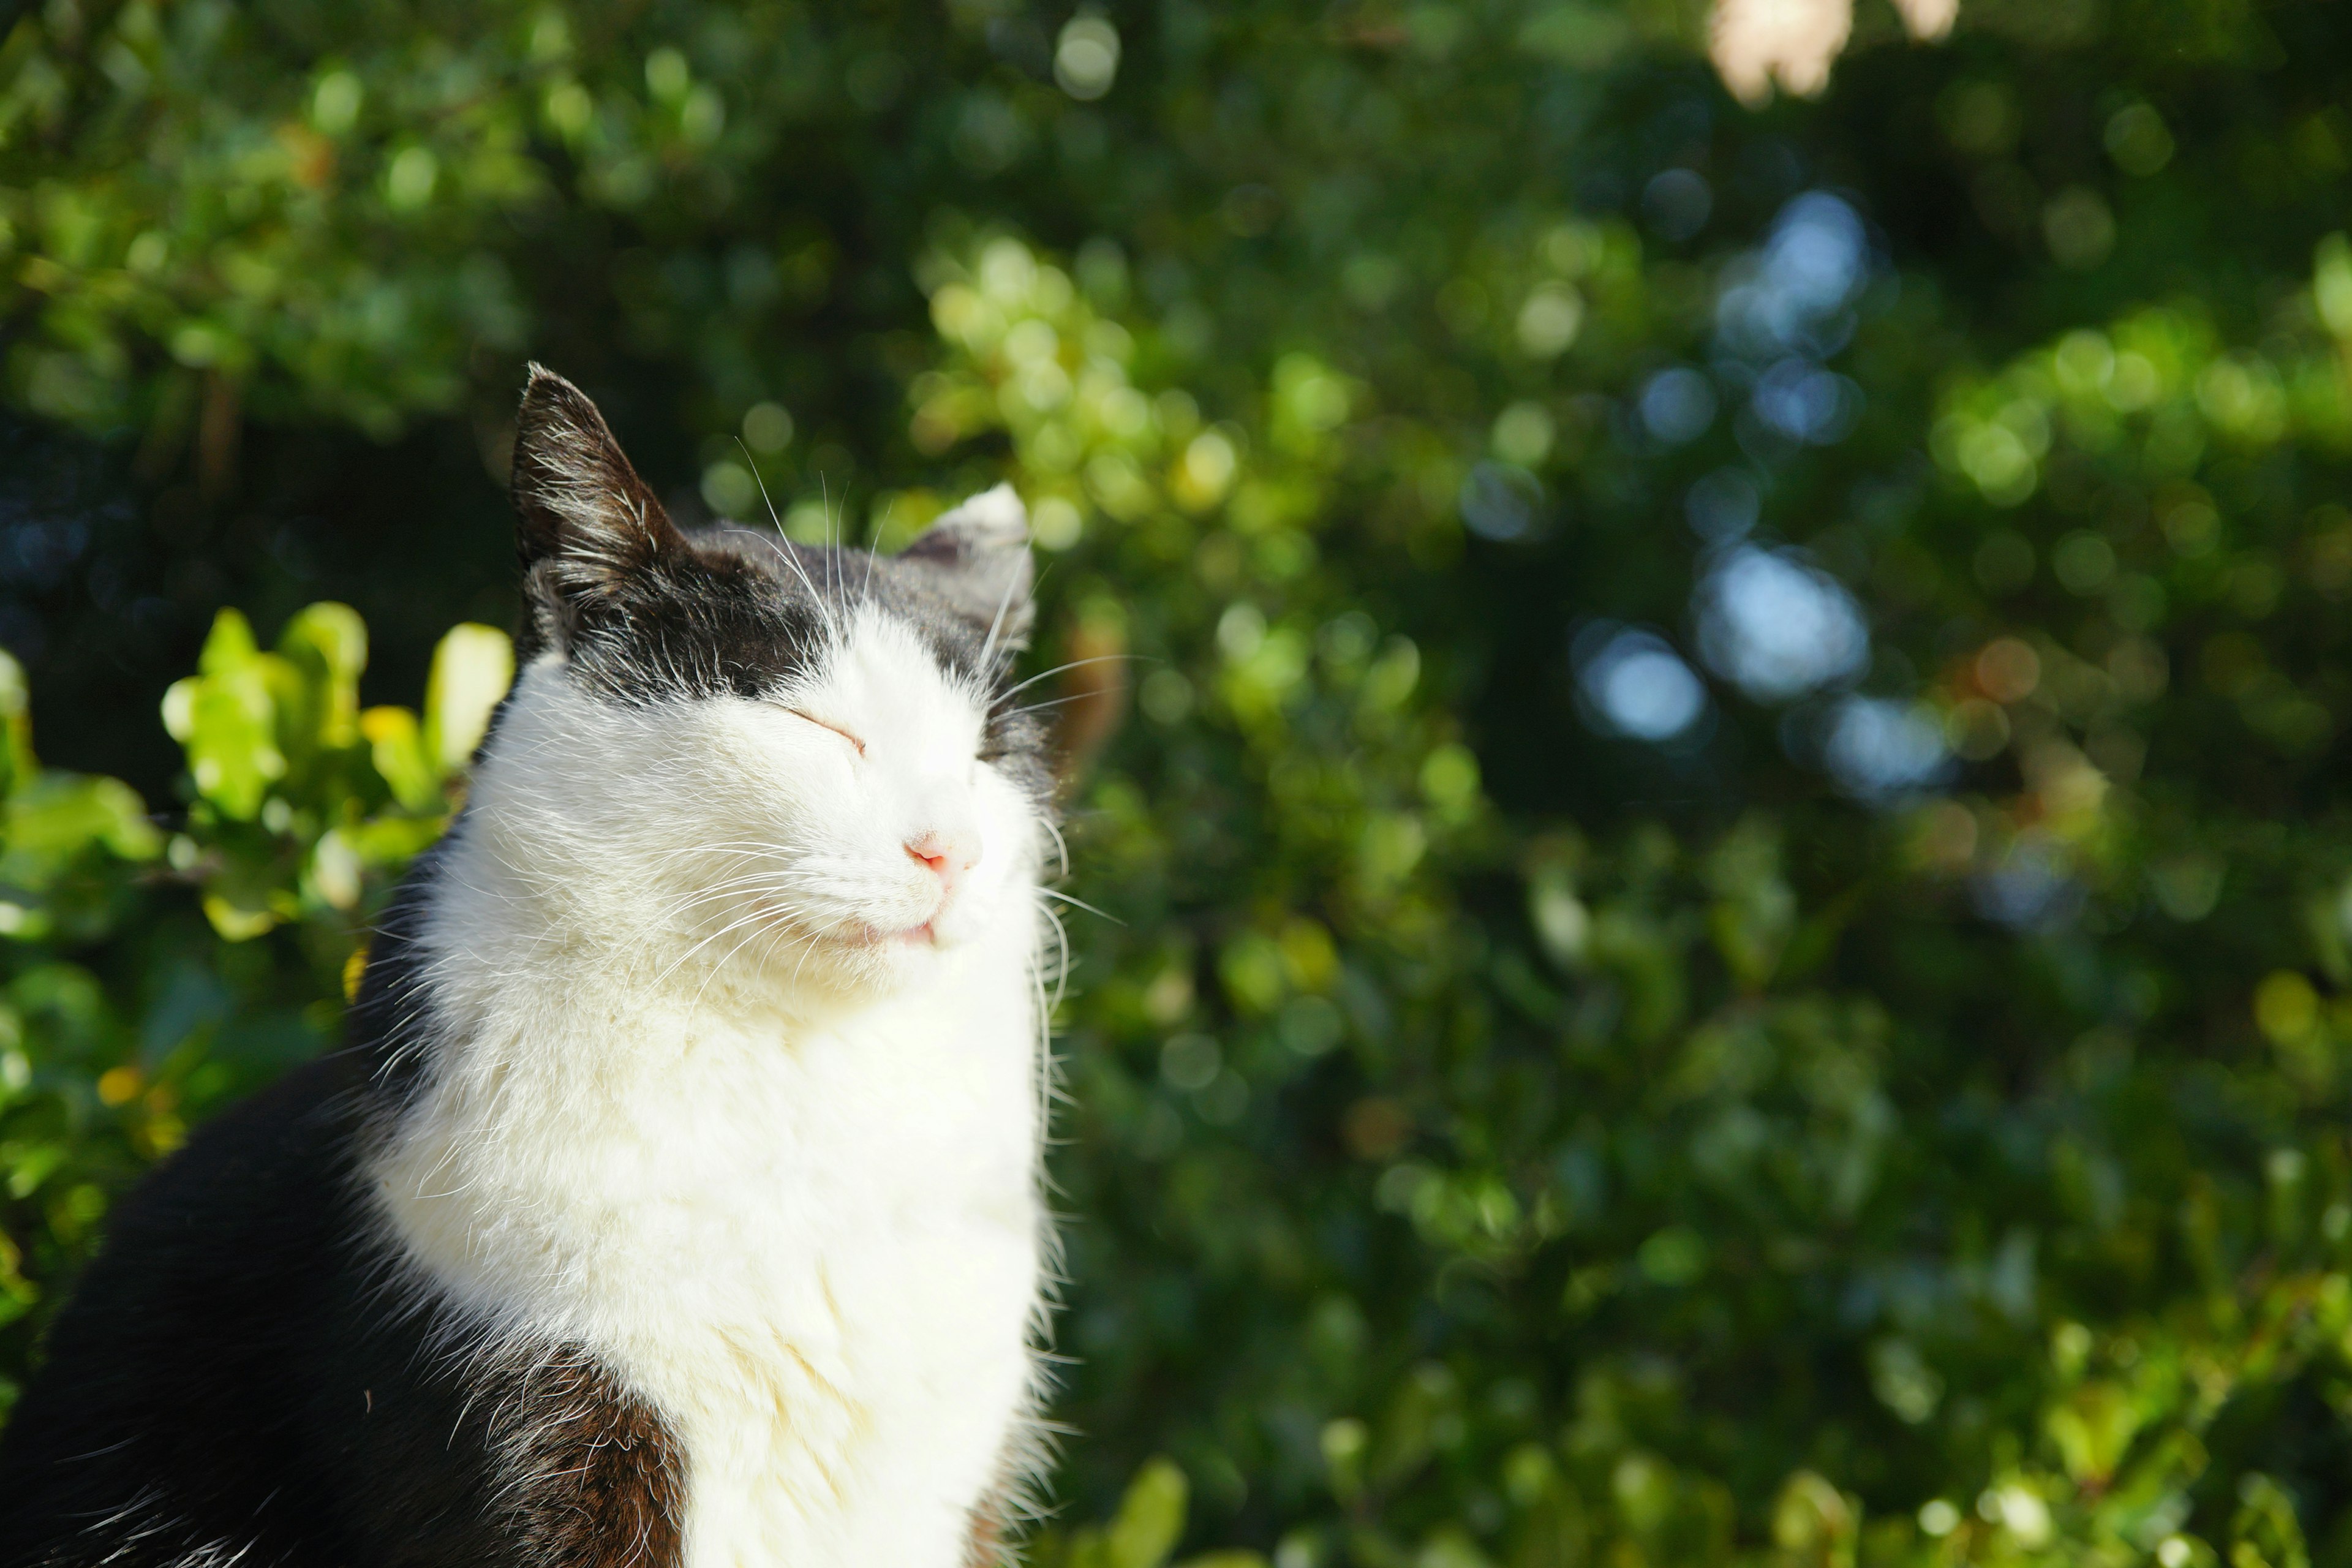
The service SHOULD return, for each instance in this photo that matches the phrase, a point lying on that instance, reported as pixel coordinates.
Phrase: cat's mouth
(923, 935)
(859, 933)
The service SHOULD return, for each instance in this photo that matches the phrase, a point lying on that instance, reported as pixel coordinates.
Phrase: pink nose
(950, 855)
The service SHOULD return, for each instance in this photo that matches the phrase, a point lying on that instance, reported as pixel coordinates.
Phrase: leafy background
(1709, 745)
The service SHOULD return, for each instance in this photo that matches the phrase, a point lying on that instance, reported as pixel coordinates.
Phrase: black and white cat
(675, 1200)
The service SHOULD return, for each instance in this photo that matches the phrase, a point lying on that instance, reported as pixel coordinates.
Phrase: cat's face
(769, 761)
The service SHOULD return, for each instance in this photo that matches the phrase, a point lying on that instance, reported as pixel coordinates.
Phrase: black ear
(584, 523)
(977, 559)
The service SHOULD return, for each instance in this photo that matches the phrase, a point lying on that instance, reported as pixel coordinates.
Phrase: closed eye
(835, 728)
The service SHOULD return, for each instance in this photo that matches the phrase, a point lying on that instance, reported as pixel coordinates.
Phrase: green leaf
(2264, 1531)
(16, 762)
(397, 746)
(1150, 1518)
(60, 817)
(472, 667)
(326, 646)
(225, 718)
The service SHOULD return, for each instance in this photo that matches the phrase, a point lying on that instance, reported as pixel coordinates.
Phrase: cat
(674, 1201)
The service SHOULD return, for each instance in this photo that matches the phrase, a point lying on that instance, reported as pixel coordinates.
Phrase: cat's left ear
(585, 524)
(977, 559)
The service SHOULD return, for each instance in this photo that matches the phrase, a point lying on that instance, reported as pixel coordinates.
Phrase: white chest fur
(811, 1243)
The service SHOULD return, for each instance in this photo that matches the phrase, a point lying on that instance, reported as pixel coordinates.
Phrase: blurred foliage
(141, 987)
(1733, 927)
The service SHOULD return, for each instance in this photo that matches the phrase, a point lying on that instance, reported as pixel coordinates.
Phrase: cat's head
(758, 756)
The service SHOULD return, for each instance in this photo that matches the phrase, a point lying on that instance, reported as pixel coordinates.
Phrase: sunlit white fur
(714, 1104)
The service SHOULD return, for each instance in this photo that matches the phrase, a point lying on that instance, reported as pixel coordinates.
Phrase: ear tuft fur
(976, 558)
(584, 521)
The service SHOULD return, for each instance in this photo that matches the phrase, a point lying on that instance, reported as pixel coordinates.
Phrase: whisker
(705, 941)
(988, 647)
(1080, 904)
(782, 547)
(873, 538)
(1062, 975)
(1049, 702)
(1074, 664)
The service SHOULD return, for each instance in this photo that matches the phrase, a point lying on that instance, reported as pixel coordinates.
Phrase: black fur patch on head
(643, 611)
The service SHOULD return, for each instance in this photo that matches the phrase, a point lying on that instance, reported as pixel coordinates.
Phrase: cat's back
(249, 1373)
(163, 1397)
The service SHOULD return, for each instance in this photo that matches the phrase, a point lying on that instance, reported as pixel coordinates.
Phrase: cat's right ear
(584, 523)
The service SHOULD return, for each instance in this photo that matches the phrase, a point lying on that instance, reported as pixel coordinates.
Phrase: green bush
(1894, 1114)
(151, 977)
